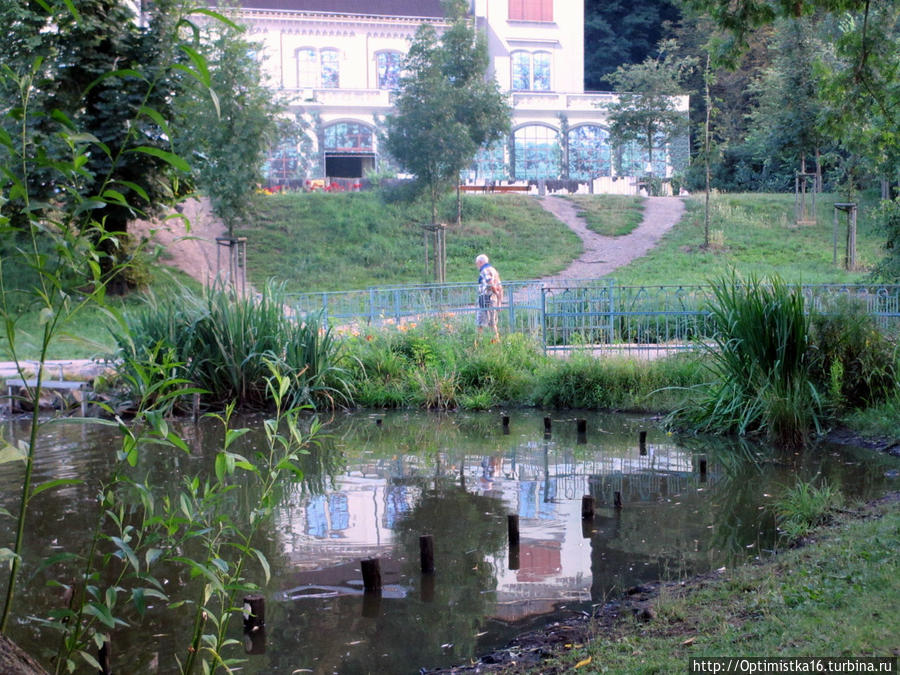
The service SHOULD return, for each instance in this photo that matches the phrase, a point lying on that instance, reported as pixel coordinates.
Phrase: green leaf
(49, 485)
(152, 555)
(10, 453)
(168, 157)
(218, 17)
(202, 70)
(137, 597)
(91, 661)
(264, 562)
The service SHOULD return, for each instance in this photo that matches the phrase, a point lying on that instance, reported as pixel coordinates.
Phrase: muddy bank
(616, 619)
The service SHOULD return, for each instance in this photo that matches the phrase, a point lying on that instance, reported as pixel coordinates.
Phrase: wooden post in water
(548, 426)
(104, 656)
(378, 421)
(426, 590)
(642, 442)
(617, 500)
(581, 426)
(587, 507)
(426, 553)
(514, 557)
(255, 641)
(371, 573)
(512, 528)
(195, 408)
(702, 468)
(506, 424)
(254, 612)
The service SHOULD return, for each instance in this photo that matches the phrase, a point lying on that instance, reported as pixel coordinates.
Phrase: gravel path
(604, 254)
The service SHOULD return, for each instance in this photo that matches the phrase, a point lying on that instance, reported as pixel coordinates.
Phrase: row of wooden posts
(254, 605)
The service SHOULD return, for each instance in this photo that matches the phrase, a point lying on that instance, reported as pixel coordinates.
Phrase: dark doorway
(348, 166)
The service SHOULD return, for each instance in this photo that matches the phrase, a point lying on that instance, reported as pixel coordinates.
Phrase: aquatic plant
(759, 360)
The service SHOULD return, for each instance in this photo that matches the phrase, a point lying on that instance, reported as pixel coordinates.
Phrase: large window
(349, 137)
(531, 10)
(307, 68)
(387, 65)
(538, 152)
(490, 163)
(589, 152)
(330, 69)
(530, 71)
(634, 159)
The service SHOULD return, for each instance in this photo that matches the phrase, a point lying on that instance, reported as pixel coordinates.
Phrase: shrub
(851, 358)
(760, 363)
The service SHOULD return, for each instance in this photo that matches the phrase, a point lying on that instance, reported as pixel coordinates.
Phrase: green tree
(618, 33)
(646, 110)
(94, 69)
(446, 108)
(228, 127)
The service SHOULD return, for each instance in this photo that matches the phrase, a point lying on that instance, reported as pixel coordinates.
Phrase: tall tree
(446, 107)
(617, 33)
(646, 110)
(228, 127)
(93, 67)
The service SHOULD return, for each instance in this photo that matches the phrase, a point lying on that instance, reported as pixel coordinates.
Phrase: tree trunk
(13, 661)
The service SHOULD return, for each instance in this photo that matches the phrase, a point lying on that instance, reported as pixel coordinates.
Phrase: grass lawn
(755, 234)
(327, 242)
(609, 215)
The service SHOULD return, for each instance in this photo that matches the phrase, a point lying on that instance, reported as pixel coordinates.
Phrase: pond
(376, 483)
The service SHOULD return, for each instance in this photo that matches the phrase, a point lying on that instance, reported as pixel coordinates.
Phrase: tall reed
(760, 362)
(228, 344)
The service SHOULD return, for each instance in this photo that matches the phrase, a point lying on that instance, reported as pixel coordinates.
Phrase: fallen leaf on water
(583, 663)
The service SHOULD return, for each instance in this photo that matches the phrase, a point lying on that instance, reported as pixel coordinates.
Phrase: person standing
(490, 296)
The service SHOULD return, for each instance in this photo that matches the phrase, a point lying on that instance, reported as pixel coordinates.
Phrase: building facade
(339, 62)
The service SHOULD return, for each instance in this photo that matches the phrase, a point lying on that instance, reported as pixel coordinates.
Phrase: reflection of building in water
(654, 535)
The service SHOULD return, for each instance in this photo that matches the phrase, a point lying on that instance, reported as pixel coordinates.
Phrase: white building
(339, 62)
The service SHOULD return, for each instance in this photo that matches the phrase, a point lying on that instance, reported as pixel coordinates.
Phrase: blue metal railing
(589, 313)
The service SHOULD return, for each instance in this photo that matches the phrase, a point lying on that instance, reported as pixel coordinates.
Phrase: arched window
(538, 152)
(530, 71)
(349, 137)
(330, 69)
(590, 154)
(387, 66)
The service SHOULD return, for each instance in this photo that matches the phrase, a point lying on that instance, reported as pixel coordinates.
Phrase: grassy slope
(318, 242)
(610, 215)
(835, 597)
(759, 237)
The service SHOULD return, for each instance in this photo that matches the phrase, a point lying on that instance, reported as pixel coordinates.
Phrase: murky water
(377, 483)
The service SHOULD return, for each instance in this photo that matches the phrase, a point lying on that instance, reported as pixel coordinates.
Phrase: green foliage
(760, 361)
(332, 242)
(852, 358)
(804, 507)
(888, 268)
(229, 346)
(645, 111)
(446, 108)
(228, 121)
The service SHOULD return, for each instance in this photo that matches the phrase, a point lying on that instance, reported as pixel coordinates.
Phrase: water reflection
(375, 484)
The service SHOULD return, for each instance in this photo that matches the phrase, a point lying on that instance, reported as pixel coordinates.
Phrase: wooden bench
(59, 385)
(484, 189)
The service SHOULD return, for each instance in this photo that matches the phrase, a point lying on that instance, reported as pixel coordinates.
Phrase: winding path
(604, 254)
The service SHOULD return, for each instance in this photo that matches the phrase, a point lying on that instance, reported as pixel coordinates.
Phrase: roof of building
(412, 8)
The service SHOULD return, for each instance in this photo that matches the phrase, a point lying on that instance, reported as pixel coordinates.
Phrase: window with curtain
(531, 10)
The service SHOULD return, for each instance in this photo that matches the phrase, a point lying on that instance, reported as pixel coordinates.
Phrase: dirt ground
(604, 254)
(193, 251)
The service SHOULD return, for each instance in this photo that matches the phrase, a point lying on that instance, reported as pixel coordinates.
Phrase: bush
(851, 358)
(760, 362)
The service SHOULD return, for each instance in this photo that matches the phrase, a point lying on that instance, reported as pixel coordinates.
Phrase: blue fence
(595, 314)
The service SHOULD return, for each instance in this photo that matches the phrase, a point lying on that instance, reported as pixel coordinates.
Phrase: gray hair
(482, 259)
